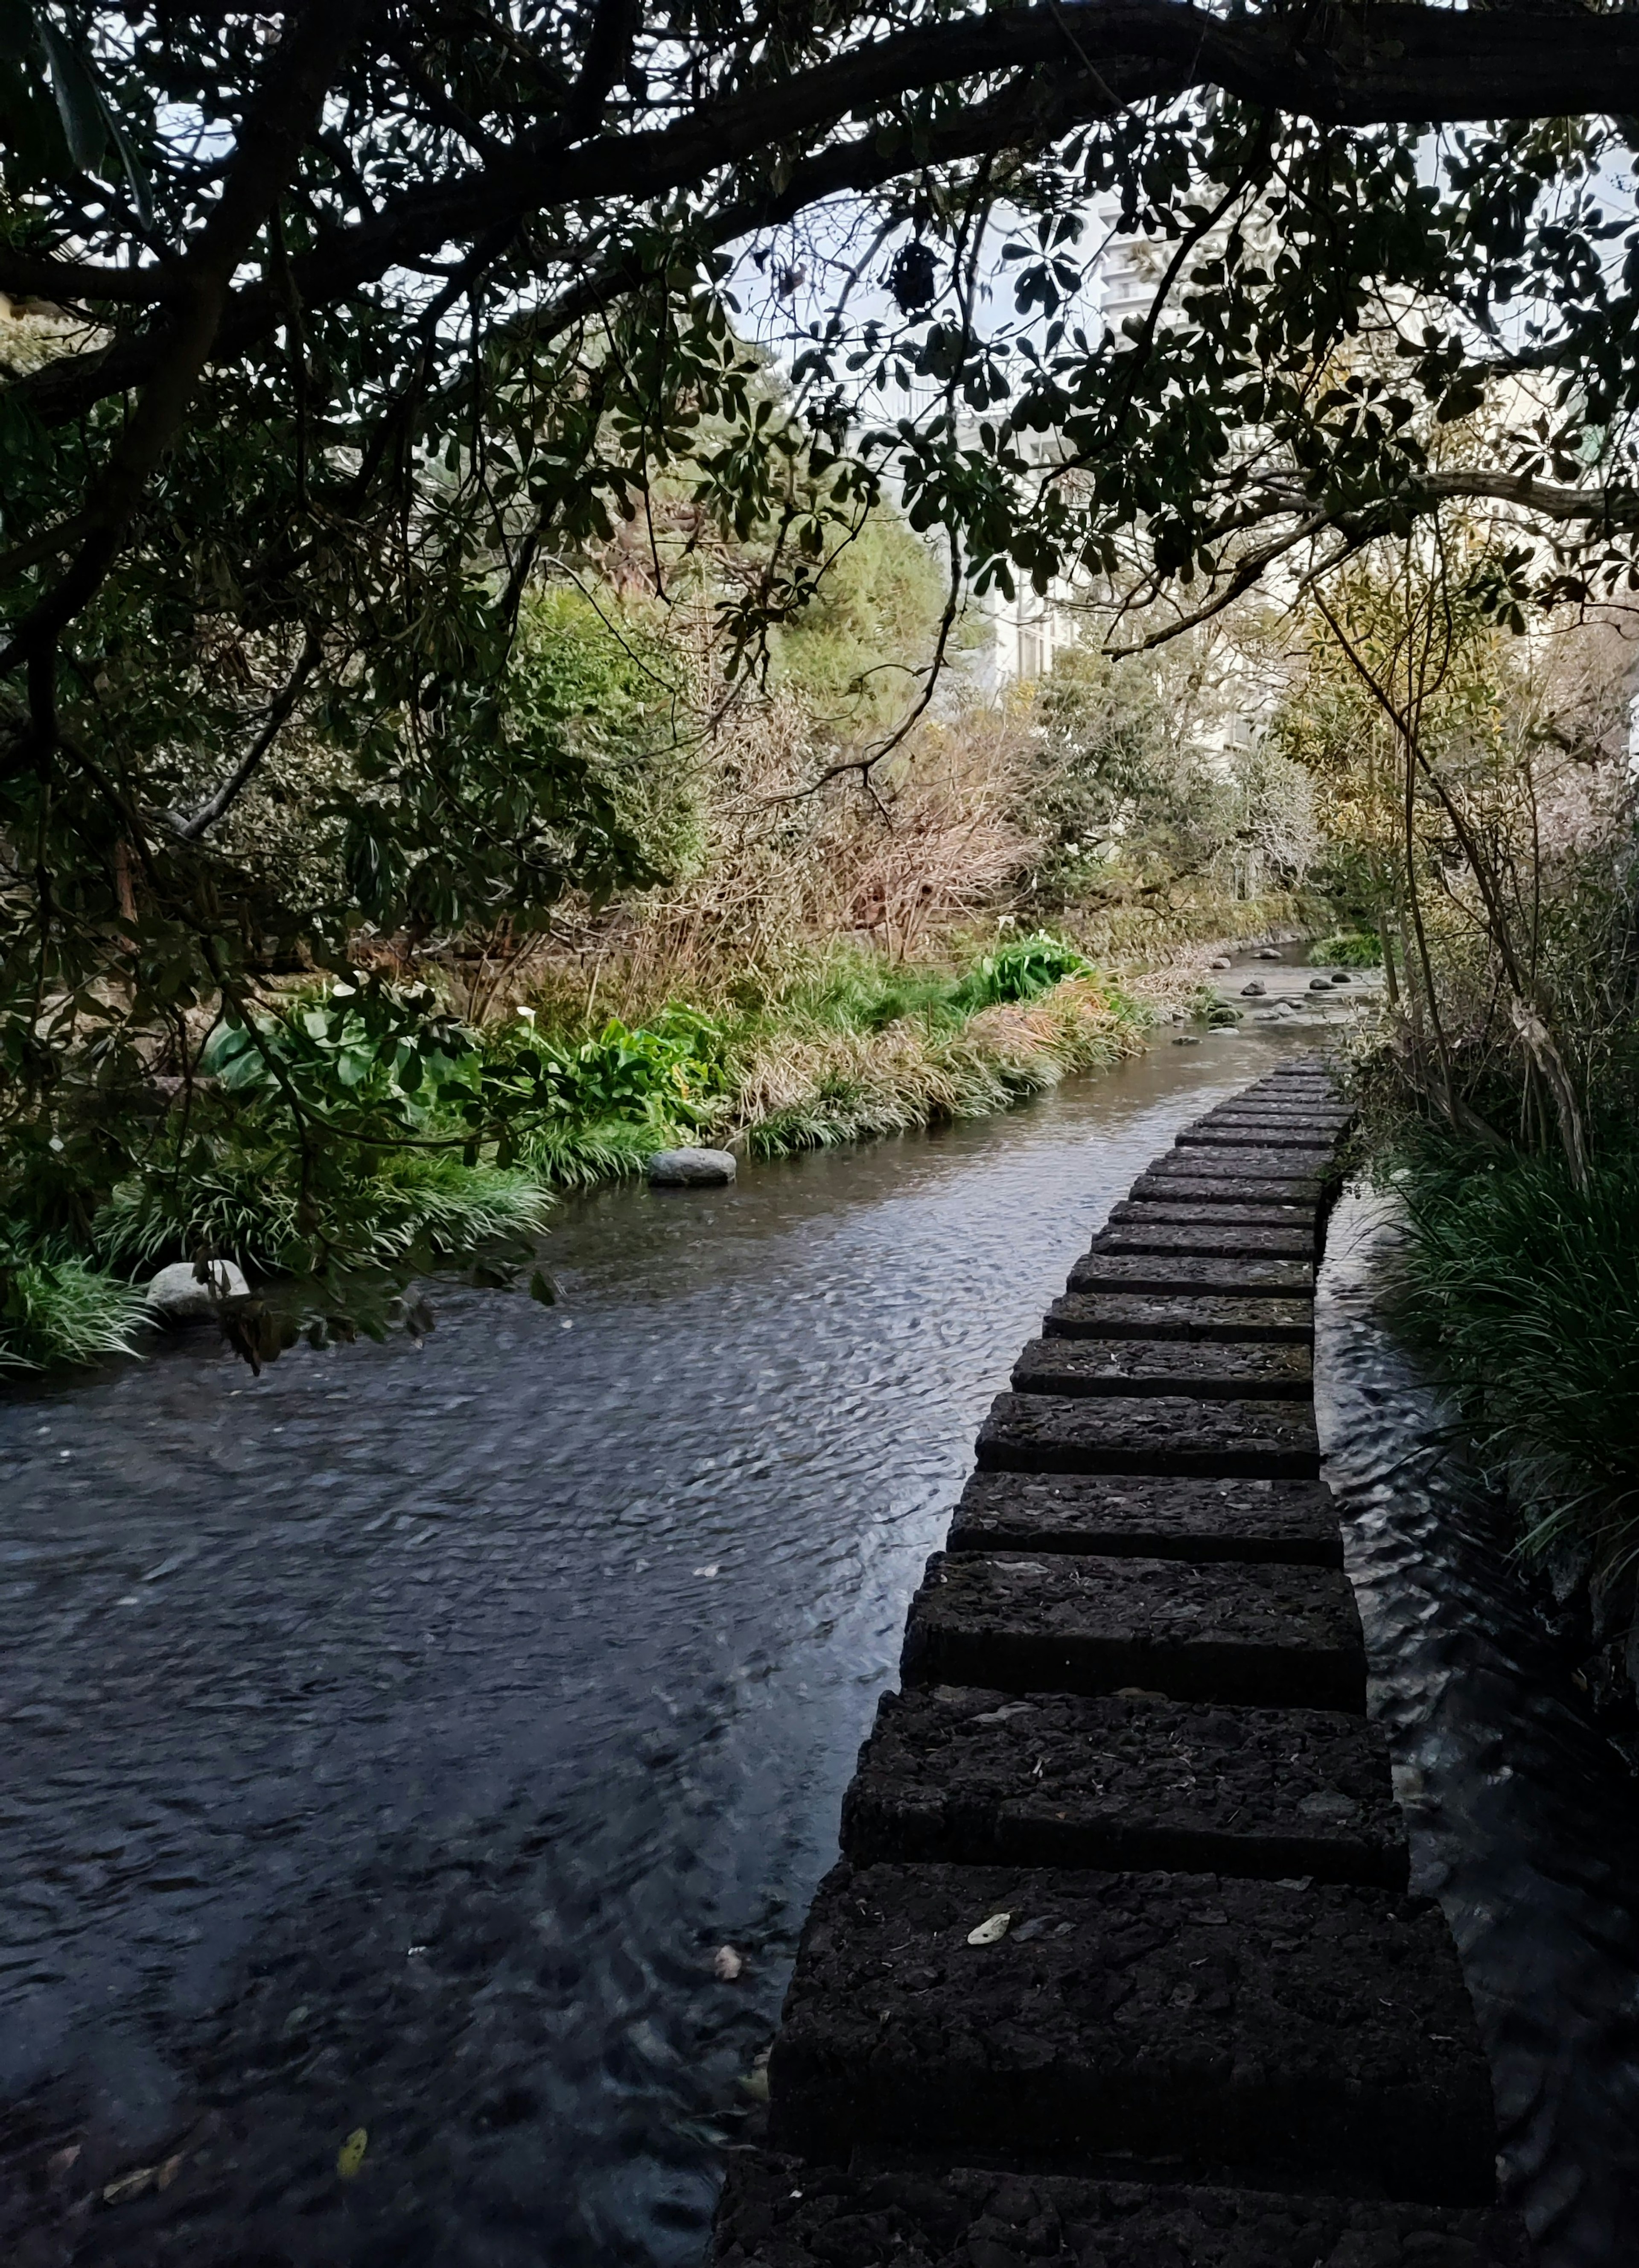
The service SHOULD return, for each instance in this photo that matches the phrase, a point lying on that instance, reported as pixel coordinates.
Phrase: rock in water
(1319, 984)
(690, 1168)
(178, 1295)
(1255, 990)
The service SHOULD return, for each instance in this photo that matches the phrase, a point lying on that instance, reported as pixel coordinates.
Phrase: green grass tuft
(56, 1308)
(376, 1210)
(573, 1156)
(1526, 1291)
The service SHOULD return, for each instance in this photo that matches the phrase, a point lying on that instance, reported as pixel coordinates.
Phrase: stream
(393, 1743)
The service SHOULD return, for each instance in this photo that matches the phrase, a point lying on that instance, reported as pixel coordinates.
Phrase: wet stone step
(1248, 1133)
(1140, 1211)
(1215, 1370)
(1228, 1137)
(1292, 1522)
(1302, 1195)
(1210, 1165)
(976, 1777)
(1144, 1433)
(1268, 1636)
(1266, 1110)
(1156, 1315)
(1251, 1278)
(1227, 1242)
(781, 2213)
(1317, 2038)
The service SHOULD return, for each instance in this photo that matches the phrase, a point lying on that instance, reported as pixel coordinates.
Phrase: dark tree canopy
(359, 317)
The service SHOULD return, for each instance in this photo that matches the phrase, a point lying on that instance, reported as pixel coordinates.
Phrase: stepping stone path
(1119, 1968)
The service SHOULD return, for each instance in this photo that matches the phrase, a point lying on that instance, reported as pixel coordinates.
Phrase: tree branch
(189, 830)
(280, 119)
(1349, 67)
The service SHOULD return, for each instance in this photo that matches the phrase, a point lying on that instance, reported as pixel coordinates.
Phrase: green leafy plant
(57, 1307)
(1348, 949)
(1021, 970)
(1524, 1288)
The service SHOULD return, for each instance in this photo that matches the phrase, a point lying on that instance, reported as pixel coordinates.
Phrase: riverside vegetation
(1479, 796)
(775, 959)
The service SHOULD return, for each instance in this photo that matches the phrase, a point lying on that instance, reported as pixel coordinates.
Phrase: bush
(1526, 1291)
(1348, 949)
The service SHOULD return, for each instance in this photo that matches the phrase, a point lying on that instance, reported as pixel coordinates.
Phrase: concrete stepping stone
(1212, 1315)
(1214, 1243)
(1247, 1159)
(779, 2212)
(1214, 1370)
(1268, 1636)
(1317, 2038)
(981, 1777)
(1279, 1111)
(1302, 1194)
(1230, 1137)
(1209, 1164)
(1144, 1433)
(1293, 1522)
(1252, 1277)
(1140, 1212)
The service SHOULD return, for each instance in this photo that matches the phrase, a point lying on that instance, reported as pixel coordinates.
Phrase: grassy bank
(1523, 1288)
(464, 1135)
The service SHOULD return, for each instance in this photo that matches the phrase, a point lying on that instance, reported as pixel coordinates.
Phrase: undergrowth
(465, 1134)
(377, 1209)
(1347, 948)
(57, 1307)
(1524, 1290)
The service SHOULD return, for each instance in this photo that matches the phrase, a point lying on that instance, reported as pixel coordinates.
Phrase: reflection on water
(392, 1740)
(1522, 1817)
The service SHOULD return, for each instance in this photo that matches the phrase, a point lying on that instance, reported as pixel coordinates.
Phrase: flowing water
(393, 1743)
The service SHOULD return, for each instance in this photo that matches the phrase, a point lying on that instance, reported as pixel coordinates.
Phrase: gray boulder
(688, 1169)
(1255, 990)
(1221, 963)
(1268, 953)
(178, 1295)
(1319, 984)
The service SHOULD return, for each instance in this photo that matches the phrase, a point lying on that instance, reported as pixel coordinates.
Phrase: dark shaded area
(779, 2212)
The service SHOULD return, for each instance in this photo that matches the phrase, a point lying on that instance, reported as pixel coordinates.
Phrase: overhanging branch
(1392, 64)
